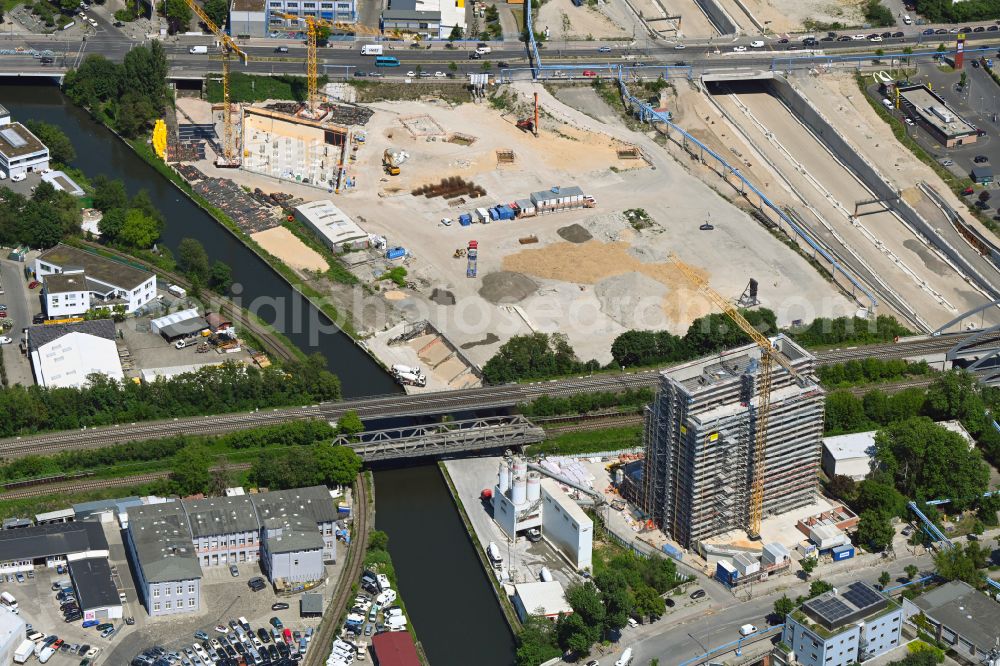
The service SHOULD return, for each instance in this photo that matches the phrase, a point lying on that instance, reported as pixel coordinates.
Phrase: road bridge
(494, 432)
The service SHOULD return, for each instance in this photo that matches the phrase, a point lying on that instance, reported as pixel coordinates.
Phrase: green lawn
(590, 441)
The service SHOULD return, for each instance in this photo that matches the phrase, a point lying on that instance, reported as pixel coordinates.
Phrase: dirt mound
(443, 297)
(507, 287)
(633, 300)
(574, 233)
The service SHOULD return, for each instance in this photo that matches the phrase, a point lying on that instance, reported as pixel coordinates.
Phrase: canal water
(445, 589)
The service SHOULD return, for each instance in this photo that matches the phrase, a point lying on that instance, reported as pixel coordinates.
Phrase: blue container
(842, 553)
(673, 552)
(465, 219)
(395, 253)
(494, 214)
(506, 213)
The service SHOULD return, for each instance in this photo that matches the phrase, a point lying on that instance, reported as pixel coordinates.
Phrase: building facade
(842, 629)
(107, 283)
(336, 11)
(166, 566)
(248, 18)
(21, 151)
(700, 435)
(292, 553)
(224, 530)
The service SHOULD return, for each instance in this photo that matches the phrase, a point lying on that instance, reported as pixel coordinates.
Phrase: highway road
(461, 402)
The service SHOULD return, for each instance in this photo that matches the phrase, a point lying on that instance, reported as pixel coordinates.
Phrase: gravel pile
(633, 300)
(574, 233)
(507, 287)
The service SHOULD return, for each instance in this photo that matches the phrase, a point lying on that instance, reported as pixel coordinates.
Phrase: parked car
(698, 594)
(201, 635)
(281, 605)
(256, 584)
(234, 571)
(980, 159)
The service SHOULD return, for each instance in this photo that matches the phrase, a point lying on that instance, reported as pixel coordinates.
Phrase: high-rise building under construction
(700, 435)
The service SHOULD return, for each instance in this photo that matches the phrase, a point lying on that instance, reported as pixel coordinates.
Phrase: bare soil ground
(790, 15)
(566, 21)
(283, 244)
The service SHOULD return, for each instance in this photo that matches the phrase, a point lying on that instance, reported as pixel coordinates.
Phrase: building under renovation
(700, 433)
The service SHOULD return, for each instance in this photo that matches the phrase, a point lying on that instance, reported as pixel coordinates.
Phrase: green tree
(109, 194)
(874, 530)
(192, 258)
(532, 357)
(322, 35)
(60, 147)
(455, 34)
(874, 494)
(958, 564)
(845, 413)
(335, 465)
(911, 571)
(452, 66)
(536, 642)
(378, 540)
(617, 599)
(218, 11)
(138, 229)
(808, 565)
(585, 600)
(573, 634)
(191, 471)
(178, 15)
(842, 487)
(783, 607)
(220, 277)
(818, 587)
(648, 603)
(884, 578)
(350, 423)
(111, 224)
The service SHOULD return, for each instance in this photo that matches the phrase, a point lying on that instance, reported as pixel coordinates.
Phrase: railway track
(323, 641)
(425, 404)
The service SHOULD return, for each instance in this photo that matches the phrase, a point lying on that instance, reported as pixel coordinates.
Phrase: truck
(24, 651)
(8, 600)
(198, 50)
(372, 49)
(493, 552)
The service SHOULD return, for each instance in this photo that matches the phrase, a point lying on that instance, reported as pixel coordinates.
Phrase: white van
(626, 658)
(178, 291)
(372, 49)
(907, 20)
(747, 629)
(886, 103)
(198, 50)
(482, 48)
(69, 25)
(8, 600)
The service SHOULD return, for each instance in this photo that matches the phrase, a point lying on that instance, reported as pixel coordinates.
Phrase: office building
(74, 281)
(836, 629)
(164, 560)
(700, 441)
(965, 620)
(21, 152)
(224, 530)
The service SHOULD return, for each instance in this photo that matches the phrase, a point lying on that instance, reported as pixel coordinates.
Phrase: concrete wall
(299, 566)
(718, 16)
(866, 171)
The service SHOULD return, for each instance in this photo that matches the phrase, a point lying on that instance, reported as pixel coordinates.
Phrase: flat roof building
(95, 588)
(12, 629)
(63, 183)
(248, 18)
(163, 558)
(546, 599)
(338, 231)
(982, 175)
(704, 411)
(959, 616)
(395, 648)
(311, 605)
(98, 282)
(840, 629)
(21, 151)
(934, 114)
(853, 455)
(48, 545)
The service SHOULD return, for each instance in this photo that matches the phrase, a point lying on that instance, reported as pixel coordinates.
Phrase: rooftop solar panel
(862, 596)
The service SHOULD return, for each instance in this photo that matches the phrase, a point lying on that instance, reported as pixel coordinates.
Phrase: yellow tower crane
(230, 155)
(769, 355)
(312, 25)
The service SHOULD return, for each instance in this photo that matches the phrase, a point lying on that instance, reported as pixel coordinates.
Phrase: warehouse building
(224, 530)
(837, 629)
(403, 16)
(97, 282)
(50, 545)
(700, 436)
(95, 589)
(21, 152)
(546, 599)
(557, 198)
(12, 631)
(332, 225)
(164, 560)
(65, 355)
(395, 648)
(248, 18)
(934, 115)
(962, 618)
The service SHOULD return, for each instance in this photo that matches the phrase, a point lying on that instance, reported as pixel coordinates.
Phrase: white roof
(61, 181)
(67, 361)
(957, 428)
(174, 318)
(566, 502)
(452, 13)
(151, 374)
(547, 596)
(11, 628)
(331, 222)
(823, 532)
(855, 445)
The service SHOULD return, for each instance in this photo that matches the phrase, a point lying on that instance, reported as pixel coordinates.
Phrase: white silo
(503, 477)
(534, 486)
(519, 482)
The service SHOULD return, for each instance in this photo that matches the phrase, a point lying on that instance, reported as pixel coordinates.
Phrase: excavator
(389, 163)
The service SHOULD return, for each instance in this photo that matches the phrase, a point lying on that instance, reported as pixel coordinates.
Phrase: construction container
(746, 563)
(505, 212)
(395, 253)
(525, 208)
(465, 219)
(495, 213)
(844, 552)
(725, 572)
(482, 215)
(774, 553)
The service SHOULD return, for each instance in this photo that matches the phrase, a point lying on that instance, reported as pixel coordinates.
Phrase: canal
(445, 589)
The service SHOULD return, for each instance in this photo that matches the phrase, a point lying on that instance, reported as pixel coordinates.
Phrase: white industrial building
(338, 231)
(65, 355)
(74, 281)
(853, 455)
(63, 183)
(12, 630)
(523, 500)
(547, 599)
(20, 151)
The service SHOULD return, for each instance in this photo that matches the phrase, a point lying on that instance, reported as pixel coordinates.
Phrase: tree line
(541, 356)
(213, 390)
(128, 96)
(870, 370)
(944, 11)
(40, 221)
(582, 403)
(627, 586)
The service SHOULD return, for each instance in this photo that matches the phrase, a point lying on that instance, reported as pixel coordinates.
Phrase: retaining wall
(718, 16)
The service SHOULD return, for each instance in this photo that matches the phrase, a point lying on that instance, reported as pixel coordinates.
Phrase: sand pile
(507, 287)
(633, 300)
(574, 233)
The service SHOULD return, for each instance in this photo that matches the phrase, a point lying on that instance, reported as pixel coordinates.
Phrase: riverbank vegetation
(213, 390)
(540, 356)
(127, 96)
(870, 371)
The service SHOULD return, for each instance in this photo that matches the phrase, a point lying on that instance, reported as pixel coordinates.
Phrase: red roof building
(395, 648)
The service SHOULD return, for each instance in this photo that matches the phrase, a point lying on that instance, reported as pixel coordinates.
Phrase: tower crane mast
(769, 355)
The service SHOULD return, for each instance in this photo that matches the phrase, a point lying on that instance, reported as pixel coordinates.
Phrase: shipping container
(482, 215)
(845, 552)
(395, 253)
(465, 219)
(494, 213)
(726, 572)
